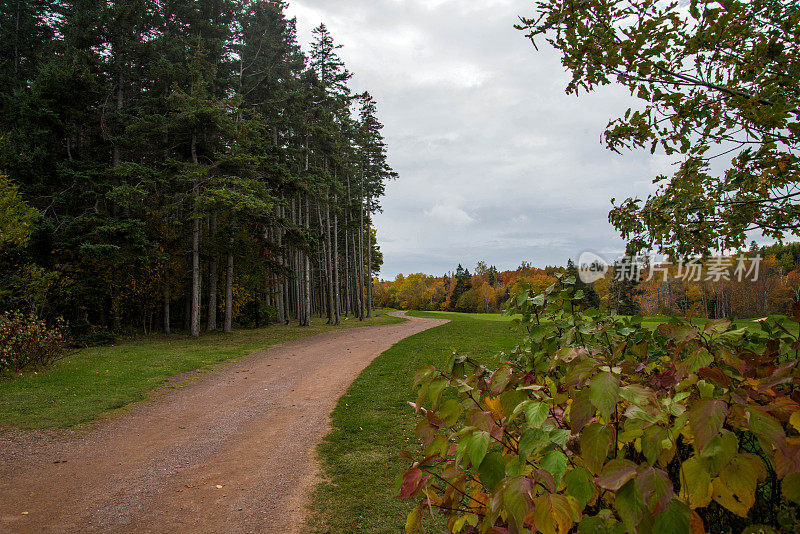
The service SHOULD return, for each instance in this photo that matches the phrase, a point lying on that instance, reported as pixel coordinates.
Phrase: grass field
(93, 381)
(650, 322)
(372, 424)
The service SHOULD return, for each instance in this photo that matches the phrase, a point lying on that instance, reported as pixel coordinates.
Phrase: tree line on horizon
(182, 164)
(487, 290)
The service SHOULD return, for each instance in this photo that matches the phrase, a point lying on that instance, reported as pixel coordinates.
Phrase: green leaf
(674, 519)
(450, 411)
(492, 470)
(604, 393)
(678, 332)
(706, 419)
(595, 444)
(516, 500)
(791, 487)
(530, 440)
(638, 394)
(717, 326)
(697, 359)
(435, 389)
(656, 489)
(423, 373)
(555, 462)
(653, 443)
(500, 379)
(630, 506)
(536, 413)
(719, 450)
(509, 400)
(559, 436)
(477, 445)
(580, 485)
(616, 473)
(767, 429)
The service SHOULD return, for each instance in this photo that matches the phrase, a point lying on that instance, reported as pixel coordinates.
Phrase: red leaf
(715, 375)
(413, 480)
(665, 380)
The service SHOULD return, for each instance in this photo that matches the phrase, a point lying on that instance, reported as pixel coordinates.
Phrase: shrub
(26, 342)
(598, 424)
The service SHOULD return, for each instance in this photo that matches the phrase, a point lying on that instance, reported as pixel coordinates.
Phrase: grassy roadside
(372, 423)
(97, 380)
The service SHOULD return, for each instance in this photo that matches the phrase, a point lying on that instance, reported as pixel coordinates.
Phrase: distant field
(80, 388)
(455, 315)
(651, 322)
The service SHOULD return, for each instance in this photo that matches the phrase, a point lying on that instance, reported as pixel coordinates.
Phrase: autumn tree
(716, 82)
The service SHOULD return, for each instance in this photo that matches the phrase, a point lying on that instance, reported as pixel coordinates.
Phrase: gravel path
(232, 452)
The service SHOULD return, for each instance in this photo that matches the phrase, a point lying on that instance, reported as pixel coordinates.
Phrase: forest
(487, 290)
(182, 165)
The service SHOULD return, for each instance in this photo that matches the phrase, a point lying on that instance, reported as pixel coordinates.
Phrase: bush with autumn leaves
(600, 424)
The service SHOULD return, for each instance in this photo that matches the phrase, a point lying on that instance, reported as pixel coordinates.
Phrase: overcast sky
(495, 161)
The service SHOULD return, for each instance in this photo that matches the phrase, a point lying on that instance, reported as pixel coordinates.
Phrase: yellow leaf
(219, 486)
(735, 488)
(432, 496)
(695, 483)
(795, 420)
(414, 521)
(494, 406)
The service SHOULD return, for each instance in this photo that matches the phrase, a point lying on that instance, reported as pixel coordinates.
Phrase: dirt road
(232, 452)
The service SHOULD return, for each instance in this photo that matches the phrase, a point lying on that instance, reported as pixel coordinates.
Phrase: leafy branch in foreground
(600, 424)
(716, 79)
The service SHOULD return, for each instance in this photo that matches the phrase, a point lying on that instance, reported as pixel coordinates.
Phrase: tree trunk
(279, 300)
(166, 306)
(347, 273)
(360, 269)
(306, 272)
(369, 272)
(228, 328)
(195, 314)
(337, 301)
(211, 325)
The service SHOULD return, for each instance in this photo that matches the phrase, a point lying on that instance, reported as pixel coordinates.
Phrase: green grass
(97, 380)
(750, 324)
(372, 424)
(455, 315)
(650, 322)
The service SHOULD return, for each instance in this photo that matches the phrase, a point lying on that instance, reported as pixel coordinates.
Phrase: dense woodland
(182, 164)
(487, 290)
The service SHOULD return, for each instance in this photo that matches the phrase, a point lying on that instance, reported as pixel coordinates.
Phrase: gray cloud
(496, 162)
